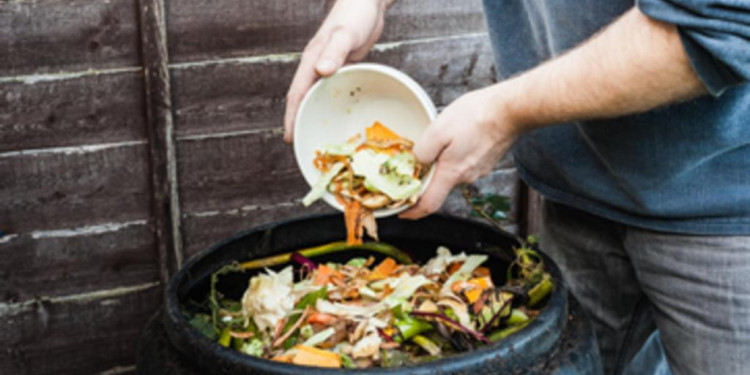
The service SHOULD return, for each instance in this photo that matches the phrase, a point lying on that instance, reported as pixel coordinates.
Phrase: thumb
(430, 144)
(437, 191)
(334, 54)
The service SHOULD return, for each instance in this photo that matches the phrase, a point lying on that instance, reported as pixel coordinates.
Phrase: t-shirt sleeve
(715, 34)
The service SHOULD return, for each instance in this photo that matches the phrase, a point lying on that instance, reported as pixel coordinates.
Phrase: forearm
(634, 65)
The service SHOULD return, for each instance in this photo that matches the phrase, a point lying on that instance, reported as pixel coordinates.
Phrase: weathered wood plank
(203, 229)
(59, 262)
(532, 211)
(84, 334)
(73, 187)
(71, 110)
(67, 35)
(237, 95)
(165, 201)
(241, 170)
(200, 30)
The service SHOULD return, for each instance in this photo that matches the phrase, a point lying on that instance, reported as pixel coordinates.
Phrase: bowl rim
(178, 329)
(415, 88)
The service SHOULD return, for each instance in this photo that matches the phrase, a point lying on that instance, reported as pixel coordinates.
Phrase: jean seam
(637, 312)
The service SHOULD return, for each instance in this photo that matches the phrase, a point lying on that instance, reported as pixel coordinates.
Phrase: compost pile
(365, 313)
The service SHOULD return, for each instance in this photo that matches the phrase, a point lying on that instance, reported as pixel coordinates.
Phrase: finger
(437, 191)
(334, 54)
(430, 144)
(304, 78)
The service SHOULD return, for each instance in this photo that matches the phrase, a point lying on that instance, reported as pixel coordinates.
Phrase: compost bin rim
(540, 334)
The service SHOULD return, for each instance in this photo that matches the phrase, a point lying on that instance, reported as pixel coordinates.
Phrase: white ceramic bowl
(352, 99)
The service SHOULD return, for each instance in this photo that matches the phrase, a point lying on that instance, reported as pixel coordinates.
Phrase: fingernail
(325, 66)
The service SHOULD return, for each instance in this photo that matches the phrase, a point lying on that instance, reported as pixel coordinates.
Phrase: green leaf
(346, 361)
(498, 202)
(478, 201)
(202, 323)
(357, 262)
(253, 348)
(309, 299)
(410, 327)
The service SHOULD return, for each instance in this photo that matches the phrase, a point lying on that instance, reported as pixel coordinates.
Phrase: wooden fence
(135, 133)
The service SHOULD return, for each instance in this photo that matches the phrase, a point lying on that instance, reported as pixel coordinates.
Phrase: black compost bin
(559, 341)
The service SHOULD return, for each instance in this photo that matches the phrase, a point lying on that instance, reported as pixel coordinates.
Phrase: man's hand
(634, 65)
(468, 138)
(347, 34)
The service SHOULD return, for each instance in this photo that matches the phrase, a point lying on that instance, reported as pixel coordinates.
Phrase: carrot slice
(455, 266)
(472, 295)
(321, 318)
(310, 356)
(473, 288)
(285, 358)
(323, 275)
(386, 267)
(353, 219)
(380, 133)
(382, 270)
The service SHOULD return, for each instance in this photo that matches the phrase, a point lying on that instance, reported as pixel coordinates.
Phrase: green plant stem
(503, 333)
(540, 290)
(330, 248)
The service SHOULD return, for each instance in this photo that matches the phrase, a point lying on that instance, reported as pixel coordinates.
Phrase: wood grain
(207, 228)
(60, 262)
(200, 30)
(68, 111)
(67, 35)
(85, 334)
(242, 170)
(165, 200)
(73, 188)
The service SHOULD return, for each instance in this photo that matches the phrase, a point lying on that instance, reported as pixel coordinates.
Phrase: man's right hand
(347, 34)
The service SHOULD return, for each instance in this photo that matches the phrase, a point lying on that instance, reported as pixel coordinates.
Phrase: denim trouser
(631, 281)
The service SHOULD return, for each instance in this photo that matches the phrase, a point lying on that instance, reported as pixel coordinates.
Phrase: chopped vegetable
(309, 356)
(427, 344)
(321, 318)
(253, 348)
(380, 133)
(385, 268)
(324, 274)
(269, 298)
(319, 337)
(464, 272)
(319, 188)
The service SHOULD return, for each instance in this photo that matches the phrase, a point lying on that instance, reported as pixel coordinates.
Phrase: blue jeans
(694, 289)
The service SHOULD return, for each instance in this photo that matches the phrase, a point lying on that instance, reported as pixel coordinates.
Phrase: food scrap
(378, 310)
(379, 172)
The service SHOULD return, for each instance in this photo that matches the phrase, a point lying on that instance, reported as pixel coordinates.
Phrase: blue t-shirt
(684, 168)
